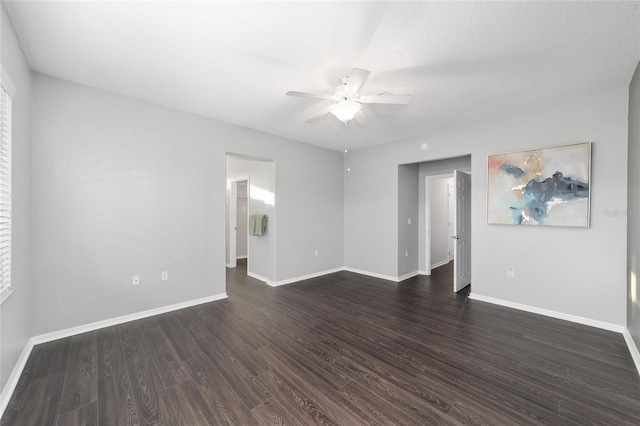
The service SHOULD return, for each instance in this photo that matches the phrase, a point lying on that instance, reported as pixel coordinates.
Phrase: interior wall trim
(439, 264)
(332, 271)
(305, 277)
(10, 387)
(633, 348)
(260, 278)
(68, 332)
(407, 276)
(549, 313)
(372, 274)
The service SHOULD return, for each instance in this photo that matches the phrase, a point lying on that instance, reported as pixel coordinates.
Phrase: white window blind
(6, 92)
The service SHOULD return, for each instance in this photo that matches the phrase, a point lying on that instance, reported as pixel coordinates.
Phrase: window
(6, 93)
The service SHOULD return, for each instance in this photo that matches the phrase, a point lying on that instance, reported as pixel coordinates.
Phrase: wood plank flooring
(342, 349)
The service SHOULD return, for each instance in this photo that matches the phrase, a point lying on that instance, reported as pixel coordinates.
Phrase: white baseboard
(407, 276)
(260, 278)
(332, 271)
(241, 257)
(229, 265)
(439, 264)
(11, 384)
(294, 279)
(305, 277)
(371, 274)
(48, 337)
(382, 276)
(633, 349)
(554, 314)
(421, 272)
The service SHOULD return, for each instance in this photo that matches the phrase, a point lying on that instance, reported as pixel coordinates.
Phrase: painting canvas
(549, 186)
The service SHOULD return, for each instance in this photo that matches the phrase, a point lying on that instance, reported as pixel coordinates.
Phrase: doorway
(440, 225)
(238, 222)
(445, 233)
(250, 183)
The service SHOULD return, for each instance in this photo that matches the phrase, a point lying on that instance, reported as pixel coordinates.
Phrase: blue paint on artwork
(537, 195)
(516, 171)
(517, 215)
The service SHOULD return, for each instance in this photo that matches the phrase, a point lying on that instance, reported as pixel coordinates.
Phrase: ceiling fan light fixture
(345, 110)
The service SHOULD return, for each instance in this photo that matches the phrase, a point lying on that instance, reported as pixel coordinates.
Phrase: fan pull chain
(346, 148)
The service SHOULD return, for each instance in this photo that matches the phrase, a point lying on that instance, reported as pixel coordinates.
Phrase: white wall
(122, 186)
(439, 201)
(407, 209)
(573, 271)
(261, 178)
(633, 230)
(15, 313)
(242, 213)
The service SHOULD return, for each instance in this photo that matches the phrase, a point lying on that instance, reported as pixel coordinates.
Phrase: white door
(462, 231)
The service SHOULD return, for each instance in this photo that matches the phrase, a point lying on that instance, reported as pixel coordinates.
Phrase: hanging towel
(258, 230)
(255, 224)
(258, 224)
(252, 224)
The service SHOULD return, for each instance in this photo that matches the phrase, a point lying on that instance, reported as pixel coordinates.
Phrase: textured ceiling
(233, 61)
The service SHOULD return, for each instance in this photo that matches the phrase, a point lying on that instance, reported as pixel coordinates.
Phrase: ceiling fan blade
(318, 115)
(362, 118)
(310, 95)
(385, 99)
(356, 80)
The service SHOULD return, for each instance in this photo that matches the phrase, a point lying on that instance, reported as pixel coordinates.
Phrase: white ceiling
(233, 61)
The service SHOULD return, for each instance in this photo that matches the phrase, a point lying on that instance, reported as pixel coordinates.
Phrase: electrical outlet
(165, 275)
(510, 273)
(135, 280)
(409, 221)
(315, 252)
(406, 254)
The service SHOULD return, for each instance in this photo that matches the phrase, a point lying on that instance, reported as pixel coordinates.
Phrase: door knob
(455, 237)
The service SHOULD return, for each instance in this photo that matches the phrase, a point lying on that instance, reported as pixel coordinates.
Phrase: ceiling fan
(347, 100)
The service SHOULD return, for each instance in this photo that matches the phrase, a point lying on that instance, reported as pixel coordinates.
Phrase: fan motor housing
(341, 93)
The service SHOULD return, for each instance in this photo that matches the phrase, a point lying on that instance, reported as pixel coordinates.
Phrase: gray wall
(371, 211)
(15, 313)
(122, 187)
(633, 222)
(309, 210)
(573, 271)
(407, 209)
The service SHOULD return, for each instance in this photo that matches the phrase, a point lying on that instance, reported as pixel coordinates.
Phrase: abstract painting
(548, 186)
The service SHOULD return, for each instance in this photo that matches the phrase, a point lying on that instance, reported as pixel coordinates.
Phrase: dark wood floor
(339, 349)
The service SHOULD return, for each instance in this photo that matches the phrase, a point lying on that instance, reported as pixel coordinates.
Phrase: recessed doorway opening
(446, 226)
(250, 194)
